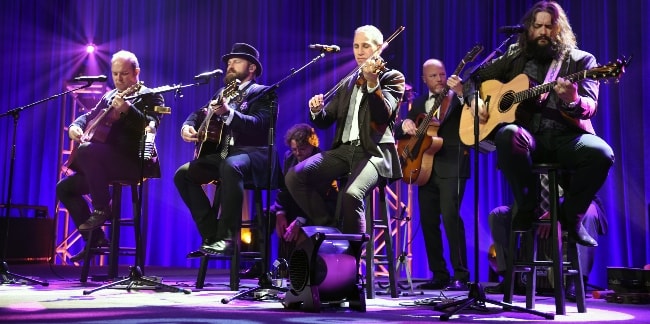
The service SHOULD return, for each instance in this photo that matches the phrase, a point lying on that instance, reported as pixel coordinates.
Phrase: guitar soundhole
(506, 101)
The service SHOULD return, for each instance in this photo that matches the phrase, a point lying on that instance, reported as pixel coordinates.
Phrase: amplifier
(30, 237)
(628, 280)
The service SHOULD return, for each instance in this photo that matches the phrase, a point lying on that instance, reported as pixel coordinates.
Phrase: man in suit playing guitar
(238, 156)
(555, 127)
(110, 136)
(442, 192)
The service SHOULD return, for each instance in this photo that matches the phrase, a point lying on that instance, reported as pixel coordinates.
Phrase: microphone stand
(476, 296)
(7, 276)
(265, 280)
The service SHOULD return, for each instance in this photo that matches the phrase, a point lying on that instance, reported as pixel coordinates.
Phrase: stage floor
(64, 301)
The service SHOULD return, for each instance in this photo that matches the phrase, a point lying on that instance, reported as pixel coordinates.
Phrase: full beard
(232, 75)
(542, 53)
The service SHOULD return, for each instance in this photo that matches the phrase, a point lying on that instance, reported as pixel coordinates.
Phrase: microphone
(92, 78)
(207, 75)
(516, 29)
(326, 48)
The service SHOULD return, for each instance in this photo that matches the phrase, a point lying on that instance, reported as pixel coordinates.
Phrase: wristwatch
(574, 104)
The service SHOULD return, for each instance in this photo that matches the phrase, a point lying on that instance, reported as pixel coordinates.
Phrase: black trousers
(231, 174)
(439, 202)
(97, 165)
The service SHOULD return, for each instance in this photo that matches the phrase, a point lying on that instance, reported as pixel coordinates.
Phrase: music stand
(8, 276)
(476, 296)
(136, 276)
(265, 282)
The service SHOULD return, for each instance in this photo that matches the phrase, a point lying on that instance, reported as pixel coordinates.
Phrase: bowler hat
(247, 52)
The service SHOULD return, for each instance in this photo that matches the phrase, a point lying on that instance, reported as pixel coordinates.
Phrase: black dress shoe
(195, 254)
(255, 271)
(580, 235)
(570, 291)
(96, 220)
(434, 284)
(220, 247)
(100, 243)
(458, 285)
(496, 289)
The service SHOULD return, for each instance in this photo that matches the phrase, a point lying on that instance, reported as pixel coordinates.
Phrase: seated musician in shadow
(289, 218)
(232, 149)
(442, 163)
(107, 153)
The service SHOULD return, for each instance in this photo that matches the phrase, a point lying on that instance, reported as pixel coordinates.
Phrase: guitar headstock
(132, 89)
(231, 89)
(609, 72)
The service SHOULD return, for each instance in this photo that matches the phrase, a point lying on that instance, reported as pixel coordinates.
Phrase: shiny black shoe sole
(195, 254)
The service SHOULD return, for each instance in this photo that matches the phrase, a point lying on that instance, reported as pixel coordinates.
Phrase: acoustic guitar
(417, 151)
(211, 129)
(99, 127)
(502, 99)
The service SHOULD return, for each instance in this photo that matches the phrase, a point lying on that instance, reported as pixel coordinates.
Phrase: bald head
(434, 75)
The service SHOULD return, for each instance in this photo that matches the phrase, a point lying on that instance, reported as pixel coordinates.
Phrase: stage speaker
(324, 269)
(29, 237)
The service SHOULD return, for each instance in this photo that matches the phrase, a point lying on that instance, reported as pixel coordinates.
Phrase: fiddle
(371, 64)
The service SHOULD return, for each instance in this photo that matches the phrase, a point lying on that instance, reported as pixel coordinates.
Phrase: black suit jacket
(377, 113)
(250, 129)
(453, 158)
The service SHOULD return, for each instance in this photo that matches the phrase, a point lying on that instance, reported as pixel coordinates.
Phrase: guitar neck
(422, 128)
(546, 87)
(424, 124)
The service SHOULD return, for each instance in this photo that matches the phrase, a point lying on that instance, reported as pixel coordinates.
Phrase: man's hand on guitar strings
(408, 126)
(483, 114)
(75, 133)
(189, 134)
(219, 107)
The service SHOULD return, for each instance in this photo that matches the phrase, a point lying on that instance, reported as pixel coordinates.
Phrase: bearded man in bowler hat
(238, 158)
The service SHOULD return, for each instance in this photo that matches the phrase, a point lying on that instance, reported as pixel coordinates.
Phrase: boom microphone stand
(136, 272)
(265, 282)
(7, 276)
(476, 296)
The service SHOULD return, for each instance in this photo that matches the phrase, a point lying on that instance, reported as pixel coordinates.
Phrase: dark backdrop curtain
(42, 48)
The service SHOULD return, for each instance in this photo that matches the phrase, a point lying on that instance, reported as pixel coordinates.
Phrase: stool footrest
(540, 263)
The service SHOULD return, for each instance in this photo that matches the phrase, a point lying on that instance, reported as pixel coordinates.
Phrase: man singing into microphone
(239, 156)
(363, 110)
(101, 159)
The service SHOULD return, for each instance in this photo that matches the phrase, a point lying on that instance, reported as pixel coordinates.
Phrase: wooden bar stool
(115, 224)
(530, 264)
(258, 224)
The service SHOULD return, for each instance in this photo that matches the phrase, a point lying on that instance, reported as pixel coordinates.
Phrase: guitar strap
(551, 75)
